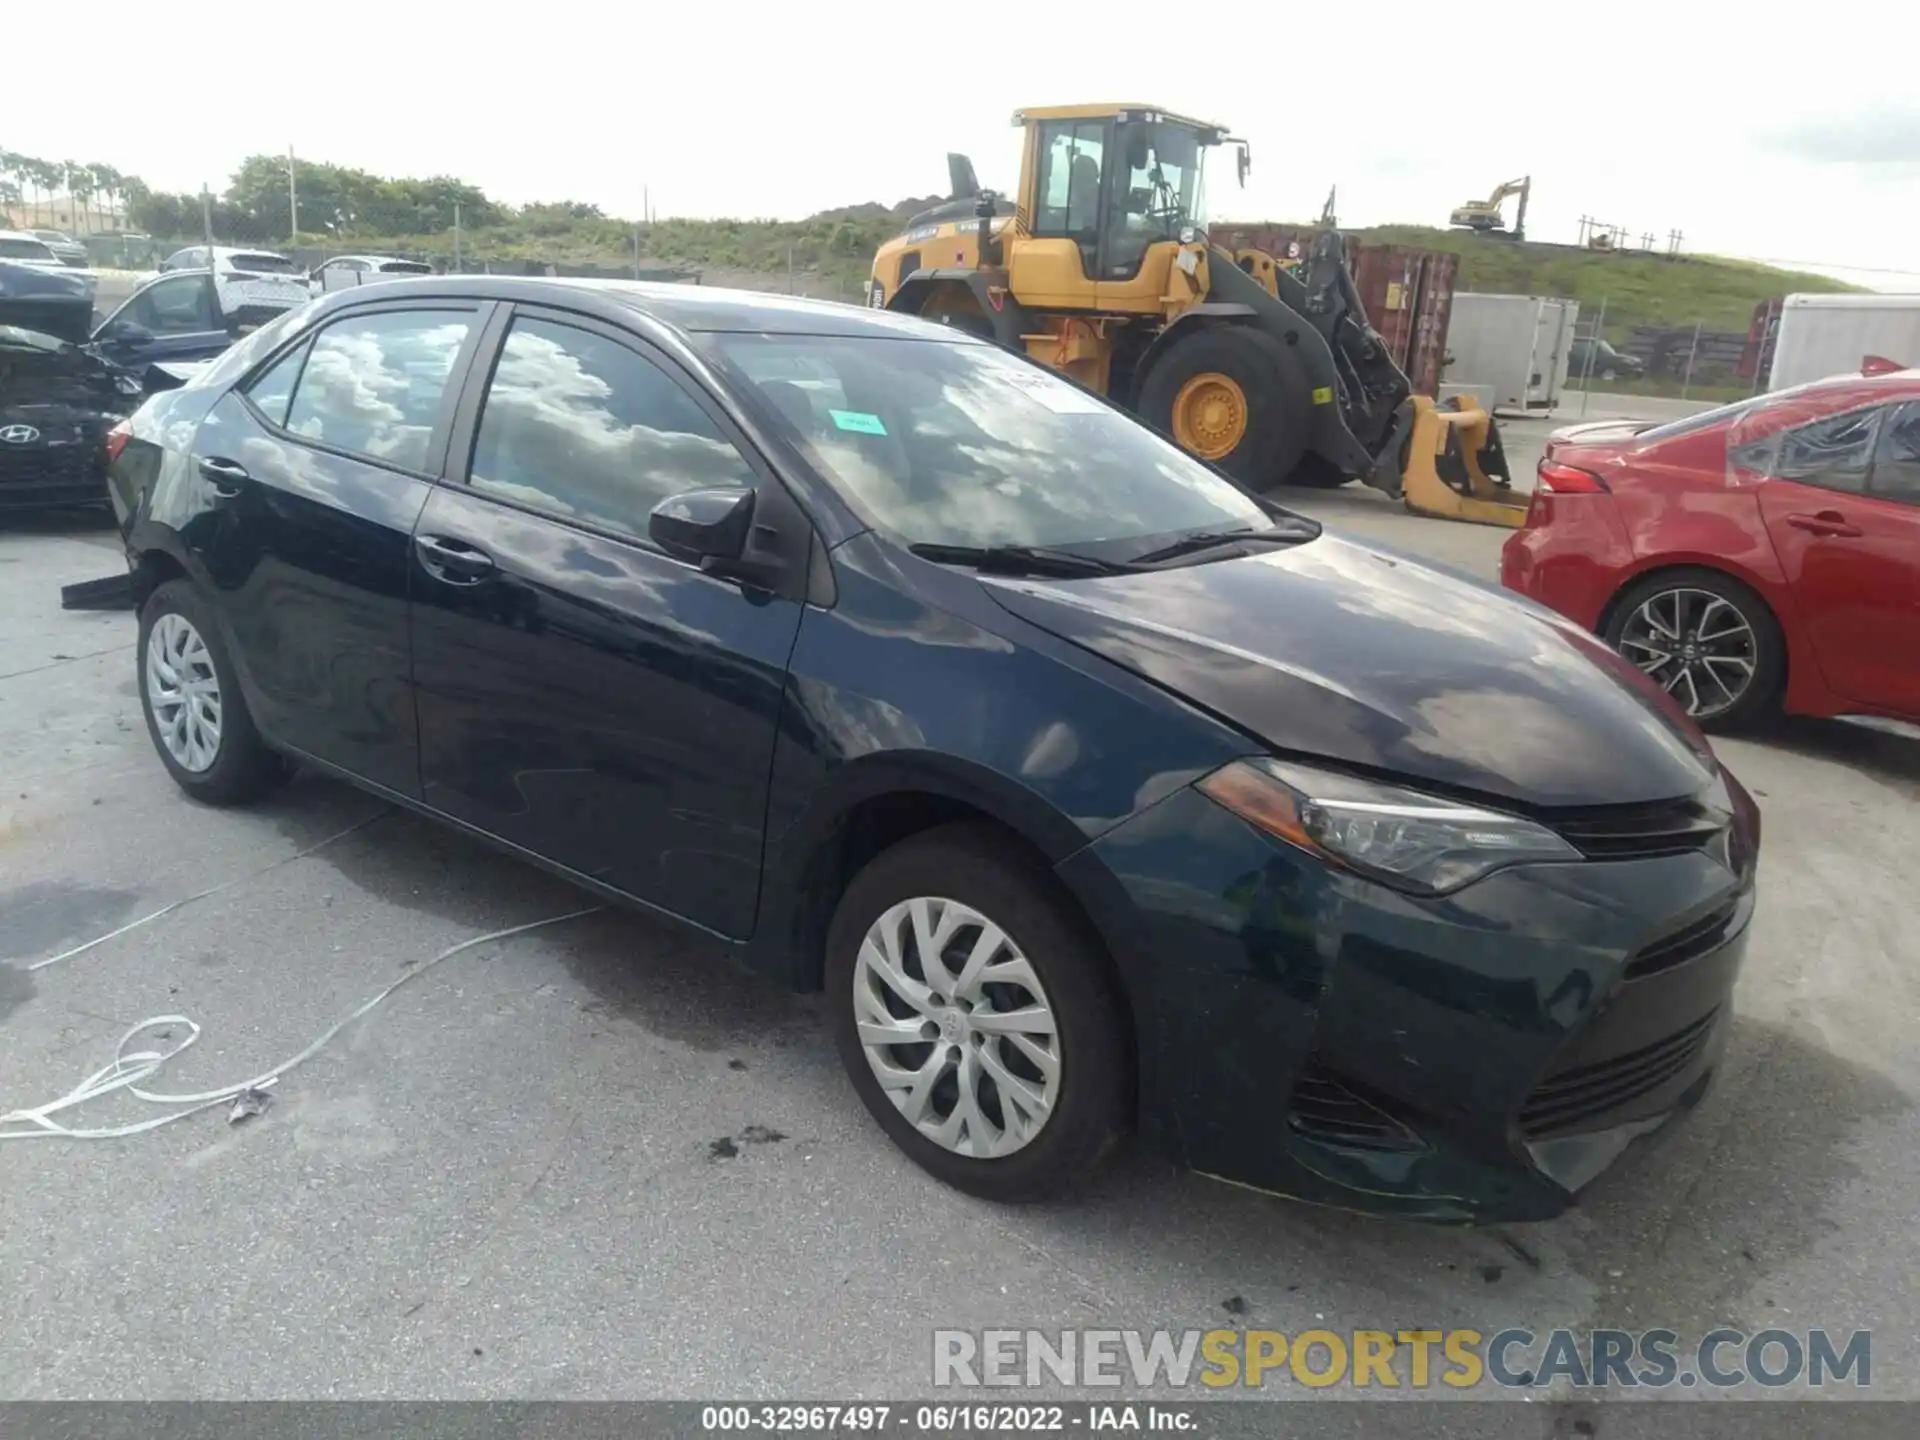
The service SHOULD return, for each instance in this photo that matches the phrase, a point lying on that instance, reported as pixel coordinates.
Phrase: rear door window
(375, 384)
(1896, 460)
(272, 392)
(1833, 453)
(586, 427)
(264, 264)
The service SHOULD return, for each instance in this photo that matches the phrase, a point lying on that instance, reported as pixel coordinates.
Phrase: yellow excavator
(1486, 217)
(1100, 267)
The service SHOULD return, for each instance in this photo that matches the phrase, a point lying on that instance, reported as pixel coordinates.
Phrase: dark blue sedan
(1096, 793)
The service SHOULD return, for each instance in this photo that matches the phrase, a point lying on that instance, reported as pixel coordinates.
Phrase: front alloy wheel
(956, 1027)
(978, 1015)
(183, 691)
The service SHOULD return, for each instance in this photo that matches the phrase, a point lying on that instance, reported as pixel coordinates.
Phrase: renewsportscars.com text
(1402, 1359)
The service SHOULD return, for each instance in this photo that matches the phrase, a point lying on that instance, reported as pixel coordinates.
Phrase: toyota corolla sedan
(1097, 794)
(1761, 556)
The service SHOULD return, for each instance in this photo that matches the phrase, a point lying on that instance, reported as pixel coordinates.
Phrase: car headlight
(1405, 839)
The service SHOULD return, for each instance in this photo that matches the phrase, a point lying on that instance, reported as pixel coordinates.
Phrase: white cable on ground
(130, 1069)
(214, 890)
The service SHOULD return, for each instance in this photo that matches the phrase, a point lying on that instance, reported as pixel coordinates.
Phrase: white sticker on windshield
(1050, 391)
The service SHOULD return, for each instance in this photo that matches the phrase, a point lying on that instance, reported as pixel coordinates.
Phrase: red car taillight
(117, 439)
(1553, 478)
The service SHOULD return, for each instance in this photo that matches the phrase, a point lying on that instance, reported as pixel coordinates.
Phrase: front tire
(977, 1018)
(1235, 396)
(196, 715)
(1707, 640)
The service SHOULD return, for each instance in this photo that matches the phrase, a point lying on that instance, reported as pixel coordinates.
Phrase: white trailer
(1822, 335)
(1516, 344)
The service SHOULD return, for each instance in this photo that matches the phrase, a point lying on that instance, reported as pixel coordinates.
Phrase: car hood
(1333, 650)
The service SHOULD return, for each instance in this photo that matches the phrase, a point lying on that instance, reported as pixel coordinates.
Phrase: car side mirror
(134, 337)
(710, 526)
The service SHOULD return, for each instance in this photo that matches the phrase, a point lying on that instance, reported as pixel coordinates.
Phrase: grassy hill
(1717, 293)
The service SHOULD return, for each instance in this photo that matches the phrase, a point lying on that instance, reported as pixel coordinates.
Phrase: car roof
(21, 235)
(690, 309)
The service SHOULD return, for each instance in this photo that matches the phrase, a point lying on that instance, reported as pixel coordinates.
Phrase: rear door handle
(453, 561)
(1827, 522)
(228, 477)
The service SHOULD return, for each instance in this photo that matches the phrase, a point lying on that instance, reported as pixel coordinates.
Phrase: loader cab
(1115, 182)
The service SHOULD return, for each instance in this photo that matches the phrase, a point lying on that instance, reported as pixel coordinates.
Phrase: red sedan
(1761, 555)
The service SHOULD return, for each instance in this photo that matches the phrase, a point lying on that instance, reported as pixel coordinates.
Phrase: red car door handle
(1827, 522)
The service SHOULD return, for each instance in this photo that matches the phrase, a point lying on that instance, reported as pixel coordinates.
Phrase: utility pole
(206, 219)
(1692, 350)
(1586, 371)
(456, 237)
(646, 206)
(293, 202)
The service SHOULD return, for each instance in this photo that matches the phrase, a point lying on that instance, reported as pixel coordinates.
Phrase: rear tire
(1272, 433)
(1071, 1066)
(1739, 630)
(196, 715)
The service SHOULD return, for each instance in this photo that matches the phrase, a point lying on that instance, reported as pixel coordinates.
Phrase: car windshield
(965, 444)
(404, 267)
(23, 248)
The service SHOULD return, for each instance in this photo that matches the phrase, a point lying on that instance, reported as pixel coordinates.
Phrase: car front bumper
(1474, 1058)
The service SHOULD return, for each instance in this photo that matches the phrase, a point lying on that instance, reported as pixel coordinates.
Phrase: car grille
(1689, 942)
(1586, 1092)
(1325, 1108)
(1618, 832)
(75, 465)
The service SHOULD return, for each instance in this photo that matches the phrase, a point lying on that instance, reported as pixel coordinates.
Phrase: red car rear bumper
(1569, 556)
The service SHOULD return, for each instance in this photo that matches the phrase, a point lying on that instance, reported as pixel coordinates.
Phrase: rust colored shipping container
(1407, 292)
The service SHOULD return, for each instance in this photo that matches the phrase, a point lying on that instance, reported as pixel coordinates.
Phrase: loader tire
(1236, 397)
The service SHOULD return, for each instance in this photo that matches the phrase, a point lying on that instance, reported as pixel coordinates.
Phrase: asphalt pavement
(594, 1160)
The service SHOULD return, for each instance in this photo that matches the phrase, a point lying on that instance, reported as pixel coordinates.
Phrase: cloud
(1881, 133)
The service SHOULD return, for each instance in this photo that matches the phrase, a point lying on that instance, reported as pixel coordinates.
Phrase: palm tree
(79, 193)
(108, 181)
(45, 178)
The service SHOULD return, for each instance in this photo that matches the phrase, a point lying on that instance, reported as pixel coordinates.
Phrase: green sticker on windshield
(858, 421)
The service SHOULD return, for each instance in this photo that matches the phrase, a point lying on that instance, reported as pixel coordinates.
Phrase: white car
(345, 270)
(65, 248)
(22, 248)
(247, 280)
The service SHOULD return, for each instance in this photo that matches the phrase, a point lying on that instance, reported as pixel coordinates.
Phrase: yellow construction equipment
(1264, 366)
(1486, 216)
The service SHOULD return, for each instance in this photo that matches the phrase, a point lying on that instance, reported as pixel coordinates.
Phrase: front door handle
(1827, 522)
(453, 561)
(228, 477)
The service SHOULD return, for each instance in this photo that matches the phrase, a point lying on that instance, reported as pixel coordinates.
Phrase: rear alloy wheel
(1708, 641)
(976, 1017)
(195, 712)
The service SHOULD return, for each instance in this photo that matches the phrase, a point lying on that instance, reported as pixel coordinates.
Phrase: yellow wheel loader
(1100, 267)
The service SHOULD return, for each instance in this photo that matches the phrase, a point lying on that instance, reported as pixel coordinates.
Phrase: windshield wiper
(1019, 559)
(1208, 539)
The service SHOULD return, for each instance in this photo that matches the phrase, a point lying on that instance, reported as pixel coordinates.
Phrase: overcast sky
(1795, 137)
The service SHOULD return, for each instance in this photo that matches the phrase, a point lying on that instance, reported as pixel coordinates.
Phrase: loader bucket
(1455, 468)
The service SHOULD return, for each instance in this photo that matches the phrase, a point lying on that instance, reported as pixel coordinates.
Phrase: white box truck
(1517, 344)
(1822, 335)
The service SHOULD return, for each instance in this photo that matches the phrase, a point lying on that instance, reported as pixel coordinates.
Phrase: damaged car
(1097, 794)
(65, 382)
